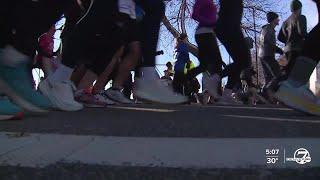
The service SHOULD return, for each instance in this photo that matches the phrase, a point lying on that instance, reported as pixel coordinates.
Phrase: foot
(9, 111)
(91, 100)
(269, 95)
(102, 97)
(117, 96)
(156, 91)
(211, 83)
(17, 85)
(61, 95)
(228, 98)
(298, 98)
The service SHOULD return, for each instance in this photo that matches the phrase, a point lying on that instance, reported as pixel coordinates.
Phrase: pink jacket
(205, 12)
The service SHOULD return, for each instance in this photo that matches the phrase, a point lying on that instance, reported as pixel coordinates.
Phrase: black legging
(154, 12)
(229, 32)
(209, 55)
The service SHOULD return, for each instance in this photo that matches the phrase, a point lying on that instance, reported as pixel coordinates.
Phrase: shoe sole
(7, 90)
(44, 88)
(88, 105)
(116, 101)
(92, 105)
(227, 103)
(6, 117)
(146, 97)
(292, 101)
(18, 116)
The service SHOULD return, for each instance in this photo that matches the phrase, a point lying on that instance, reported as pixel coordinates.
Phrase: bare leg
(87, 80)
(105, 76)
(78, 74)
(128, 64)
(47, 66)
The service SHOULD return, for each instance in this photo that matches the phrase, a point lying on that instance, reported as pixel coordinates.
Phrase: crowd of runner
(105, 40)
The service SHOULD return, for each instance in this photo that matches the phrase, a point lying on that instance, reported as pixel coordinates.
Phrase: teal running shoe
(9, 111)
(16, 84)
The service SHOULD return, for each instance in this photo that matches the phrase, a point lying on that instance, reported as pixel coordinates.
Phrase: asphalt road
(174, 121)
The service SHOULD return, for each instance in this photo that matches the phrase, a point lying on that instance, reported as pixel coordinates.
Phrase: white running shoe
(156, 91)
(60, 94)
(211, 83)
(301, 98)
(118, 96)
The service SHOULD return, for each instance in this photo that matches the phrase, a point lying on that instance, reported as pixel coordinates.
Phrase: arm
(302, 26)
(270, 39)
(282, 36)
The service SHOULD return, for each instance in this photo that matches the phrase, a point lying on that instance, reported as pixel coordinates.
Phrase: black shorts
(132, 32)
(107, 45)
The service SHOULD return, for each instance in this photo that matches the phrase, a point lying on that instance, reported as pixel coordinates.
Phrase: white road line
(251, 107)
(143, 109)
(47, 149)
(274, 119)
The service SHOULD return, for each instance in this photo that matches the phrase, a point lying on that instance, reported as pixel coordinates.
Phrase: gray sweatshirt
(268, 44)
(293, 32)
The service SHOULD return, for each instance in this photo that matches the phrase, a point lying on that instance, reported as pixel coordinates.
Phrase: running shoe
(156, 91)
(101, 96)
(211, 84)
(16, 84)
(228, 98)
(92, 100)
(118, 96)
(61, 95)
(9, 111)
(9, 56)
(298, 98)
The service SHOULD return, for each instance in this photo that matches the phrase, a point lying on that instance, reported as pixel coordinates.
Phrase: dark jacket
(268, 44)
(293, 32)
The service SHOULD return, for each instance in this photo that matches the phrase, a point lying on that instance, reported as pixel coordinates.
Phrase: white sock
(63, 73)
(149, 73)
